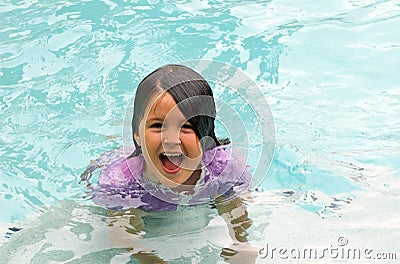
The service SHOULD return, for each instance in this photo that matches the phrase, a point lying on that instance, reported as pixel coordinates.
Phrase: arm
(126, 227)
(126, 230)
(234, 211)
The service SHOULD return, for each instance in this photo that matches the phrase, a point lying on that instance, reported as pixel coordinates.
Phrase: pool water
(328, 69)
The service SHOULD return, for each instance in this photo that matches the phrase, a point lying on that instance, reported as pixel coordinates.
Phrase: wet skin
(165, 132)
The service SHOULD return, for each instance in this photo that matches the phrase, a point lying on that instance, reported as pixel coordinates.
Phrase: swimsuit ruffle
(121, 184)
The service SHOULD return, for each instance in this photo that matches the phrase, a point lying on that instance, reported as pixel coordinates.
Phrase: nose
(171, 137)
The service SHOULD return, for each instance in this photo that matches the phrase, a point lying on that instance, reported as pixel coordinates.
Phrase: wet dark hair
(190, 91)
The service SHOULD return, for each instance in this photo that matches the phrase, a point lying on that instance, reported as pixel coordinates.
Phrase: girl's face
(170, 147)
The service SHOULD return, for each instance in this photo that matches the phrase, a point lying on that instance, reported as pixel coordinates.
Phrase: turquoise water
(329, 70)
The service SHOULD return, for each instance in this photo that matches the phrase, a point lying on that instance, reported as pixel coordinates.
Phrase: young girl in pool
(177, 160)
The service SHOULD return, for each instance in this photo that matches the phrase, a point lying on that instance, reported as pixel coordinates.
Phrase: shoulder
(122, 172)
(224, 159)
(227, 168)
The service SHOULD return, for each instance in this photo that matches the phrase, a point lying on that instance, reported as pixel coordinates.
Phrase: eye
(157, 125)
(186, 127)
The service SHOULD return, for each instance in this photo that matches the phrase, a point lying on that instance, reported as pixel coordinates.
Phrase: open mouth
(171, 162)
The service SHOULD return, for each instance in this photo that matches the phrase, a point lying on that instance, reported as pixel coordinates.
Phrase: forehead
(161, 105)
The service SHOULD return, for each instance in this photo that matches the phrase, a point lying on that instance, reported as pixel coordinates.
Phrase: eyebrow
(154, 119)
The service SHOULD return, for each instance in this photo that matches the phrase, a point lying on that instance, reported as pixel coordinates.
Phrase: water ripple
(329, 69)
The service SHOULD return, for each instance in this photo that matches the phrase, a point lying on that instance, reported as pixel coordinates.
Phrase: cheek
(188, 138)
(149, 148)
(192, 142)
(152, 140)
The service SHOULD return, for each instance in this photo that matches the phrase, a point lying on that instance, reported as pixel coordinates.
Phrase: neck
(189, 183)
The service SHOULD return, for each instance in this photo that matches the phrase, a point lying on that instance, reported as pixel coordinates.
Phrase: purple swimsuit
(121, 184)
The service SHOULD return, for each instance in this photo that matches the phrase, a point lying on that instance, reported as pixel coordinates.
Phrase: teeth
(172, 154)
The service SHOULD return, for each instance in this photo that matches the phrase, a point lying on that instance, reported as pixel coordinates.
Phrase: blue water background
(68, 70)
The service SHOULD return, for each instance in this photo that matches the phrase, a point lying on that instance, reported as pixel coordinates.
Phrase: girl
(177, 163)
